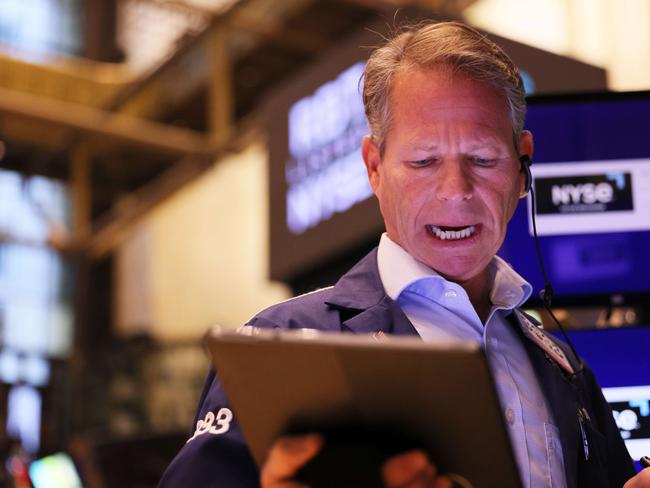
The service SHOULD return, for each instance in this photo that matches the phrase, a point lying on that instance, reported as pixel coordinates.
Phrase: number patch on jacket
(213, 424)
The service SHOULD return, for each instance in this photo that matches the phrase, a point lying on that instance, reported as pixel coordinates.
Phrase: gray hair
(444, 44)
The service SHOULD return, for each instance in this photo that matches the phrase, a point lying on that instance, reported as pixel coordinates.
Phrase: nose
(453, 182)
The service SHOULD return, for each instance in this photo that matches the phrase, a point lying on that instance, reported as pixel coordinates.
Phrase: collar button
(451, 293)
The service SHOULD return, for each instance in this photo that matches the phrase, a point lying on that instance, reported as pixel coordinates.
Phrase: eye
(421, 163)
(479, 161)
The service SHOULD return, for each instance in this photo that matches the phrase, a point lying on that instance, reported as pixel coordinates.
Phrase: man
(447, 159)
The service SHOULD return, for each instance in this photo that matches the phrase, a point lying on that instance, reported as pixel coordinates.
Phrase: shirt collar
(507, 288)
(398, 270)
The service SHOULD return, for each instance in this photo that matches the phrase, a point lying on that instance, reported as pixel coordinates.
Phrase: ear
(526, 144)
(372, 159)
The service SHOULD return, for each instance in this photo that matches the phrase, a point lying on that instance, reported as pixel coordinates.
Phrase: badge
(539, 337)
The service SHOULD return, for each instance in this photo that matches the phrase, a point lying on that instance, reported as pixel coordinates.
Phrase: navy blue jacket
(218, 455)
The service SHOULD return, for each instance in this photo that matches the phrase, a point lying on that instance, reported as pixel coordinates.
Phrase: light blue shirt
(440, 310)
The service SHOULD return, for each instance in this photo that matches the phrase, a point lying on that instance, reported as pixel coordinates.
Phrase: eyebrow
(425, 147)
(476, 144)
(487, 142)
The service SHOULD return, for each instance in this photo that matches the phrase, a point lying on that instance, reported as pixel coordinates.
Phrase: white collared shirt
(440, 310)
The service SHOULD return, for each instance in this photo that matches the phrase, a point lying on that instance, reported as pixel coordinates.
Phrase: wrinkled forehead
(422, 94)
(445, 80)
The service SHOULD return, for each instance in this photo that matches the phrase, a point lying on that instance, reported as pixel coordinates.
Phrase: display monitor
(591, 172)
(620, 360)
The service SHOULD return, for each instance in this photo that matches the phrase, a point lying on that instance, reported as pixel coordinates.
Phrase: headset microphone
(525, 169)
(546, 295)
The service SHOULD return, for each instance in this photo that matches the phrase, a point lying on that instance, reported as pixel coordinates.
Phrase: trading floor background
(172, 164)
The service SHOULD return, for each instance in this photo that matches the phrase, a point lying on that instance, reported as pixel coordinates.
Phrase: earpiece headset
(525, 169)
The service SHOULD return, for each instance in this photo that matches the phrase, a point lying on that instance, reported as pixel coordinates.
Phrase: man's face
(449, 179)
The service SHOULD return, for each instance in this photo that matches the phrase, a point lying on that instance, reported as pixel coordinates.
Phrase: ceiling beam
(274, 31)
(106, 126)
(110, 229)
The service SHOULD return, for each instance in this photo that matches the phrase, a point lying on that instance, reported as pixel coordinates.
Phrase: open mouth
(452, 233)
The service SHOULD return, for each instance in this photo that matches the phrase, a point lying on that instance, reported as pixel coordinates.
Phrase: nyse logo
(584, 194)
(587, 193)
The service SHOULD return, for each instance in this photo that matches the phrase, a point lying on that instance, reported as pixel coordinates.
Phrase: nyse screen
(591, 172)
(324, 171)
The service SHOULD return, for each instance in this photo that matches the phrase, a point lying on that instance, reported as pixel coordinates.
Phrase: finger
(286, 456)
(411, 469)
(641, 480)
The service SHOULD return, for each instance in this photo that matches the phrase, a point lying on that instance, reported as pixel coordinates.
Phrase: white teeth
(452, 234)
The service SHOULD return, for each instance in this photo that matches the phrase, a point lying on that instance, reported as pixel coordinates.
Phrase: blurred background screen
(620, 360)
(591, 172)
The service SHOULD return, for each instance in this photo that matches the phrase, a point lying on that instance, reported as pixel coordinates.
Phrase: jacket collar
(363, 304)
